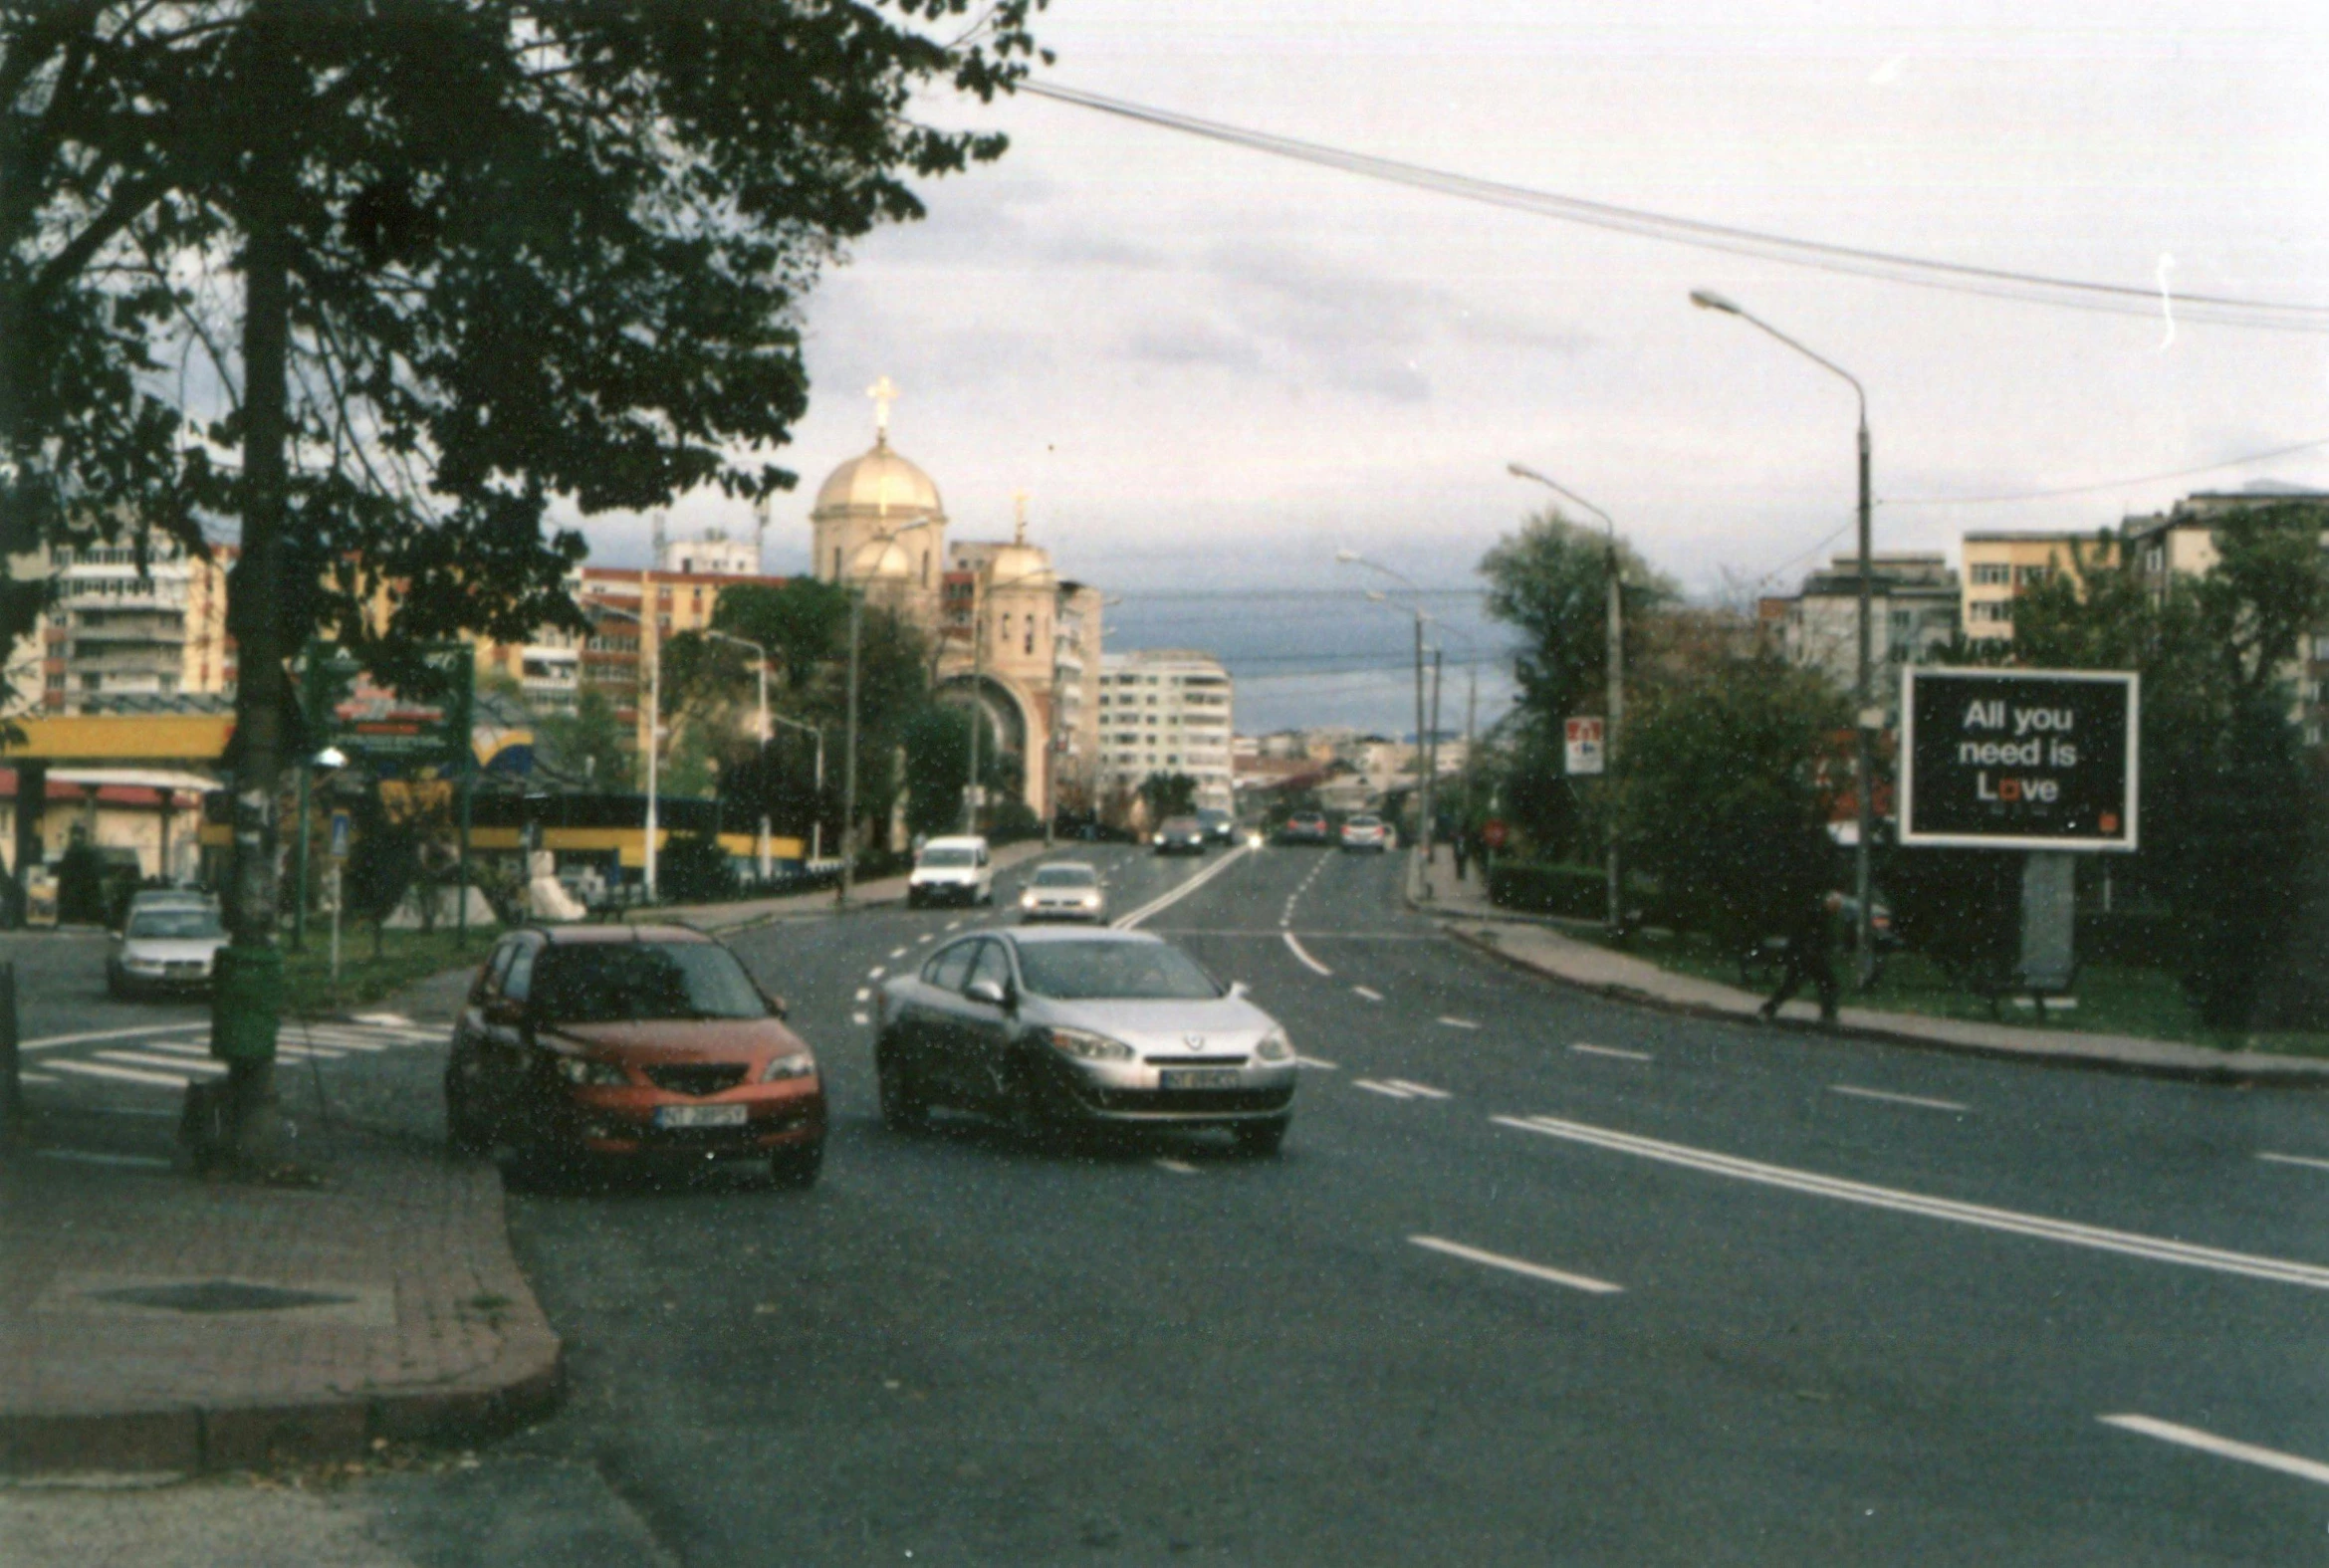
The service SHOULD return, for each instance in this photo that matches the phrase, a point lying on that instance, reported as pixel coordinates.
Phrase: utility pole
(1423, 777)
(848, 884)
(970, 789)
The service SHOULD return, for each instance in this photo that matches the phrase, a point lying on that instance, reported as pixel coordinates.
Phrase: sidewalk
(736, 916)
(152, 1322)
(1463, 911)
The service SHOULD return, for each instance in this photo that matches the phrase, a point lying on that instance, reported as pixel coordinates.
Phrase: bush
(695, 869)
(2137, 939)
(1580, 892)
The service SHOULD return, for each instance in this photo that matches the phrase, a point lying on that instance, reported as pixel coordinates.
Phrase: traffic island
(152, 1323)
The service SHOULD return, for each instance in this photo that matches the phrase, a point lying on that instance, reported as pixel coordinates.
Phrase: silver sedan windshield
(1113, 971)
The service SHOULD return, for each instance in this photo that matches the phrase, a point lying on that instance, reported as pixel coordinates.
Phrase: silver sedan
(1058, 1029)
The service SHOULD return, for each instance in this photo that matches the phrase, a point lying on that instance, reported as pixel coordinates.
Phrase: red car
(631, 1040)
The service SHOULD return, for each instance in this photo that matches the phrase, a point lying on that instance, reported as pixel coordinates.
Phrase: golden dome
(877, 484)
(889, 563)
(1019, 567)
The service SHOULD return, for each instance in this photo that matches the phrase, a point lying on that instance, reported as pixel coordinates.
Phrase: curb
(2296, 1075)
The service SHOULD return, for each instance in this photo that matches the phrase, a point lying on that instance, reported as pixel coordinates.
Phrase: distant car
(1064, 890)
(1365, 832)
(1220, 826)
(952, 871)
(1306, 827)
(639, 1041)
(165, 948)
(1049, 1030)
(1180, 836)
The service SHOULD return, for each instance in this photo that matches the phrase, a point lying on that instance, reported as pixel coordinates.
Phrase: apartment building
(1167, 711)
(2000, 568)
(118, 627)
(1915, 602)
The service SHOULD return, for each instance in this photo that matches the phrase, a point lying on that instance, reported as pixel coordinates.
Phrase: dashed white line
(1612, 1050)
(864, 994)
(1384, 1089)
(142, 1161)
(927, 935)
(897, 953)
(2223, 1448)
(1423, 1089)
(99, 1070)
(1858, 1093)
(1459, 1024)
(1177, 1167)
(861, 1018)
(954, 925)
(1368, 993)
(877, 970)
(1302, 953)
(2156, 1250)
(2295, 1159)
(1316, 1063)
(1517, 1266)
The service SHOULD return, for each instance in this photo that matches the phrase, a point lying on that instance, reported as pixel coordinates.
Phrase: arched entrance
(1010, 721)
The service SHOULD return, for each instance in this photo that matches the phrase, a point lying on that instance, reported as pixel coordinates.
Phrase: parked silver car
(1058, 1029)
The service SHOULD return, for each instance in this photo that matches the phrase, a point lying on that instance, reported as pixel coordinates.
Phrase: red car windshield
(616, 982)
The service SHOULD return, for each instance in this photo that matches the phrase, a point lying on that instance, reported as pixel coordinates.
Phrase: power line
(2111, 484)
(1884, 266)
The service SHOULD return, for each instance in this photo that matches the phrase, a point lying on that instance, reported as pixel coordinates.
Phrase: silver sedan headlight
(1085, 1046)
(1275, 1046)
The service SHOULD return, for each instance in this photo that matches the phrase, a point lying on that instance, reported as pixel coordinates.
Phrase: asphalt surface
(1696, 1293)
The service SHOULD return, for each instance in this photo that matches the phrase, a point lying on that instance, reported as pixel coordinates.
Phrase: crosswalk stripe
(99, 1070)
(132, 1058)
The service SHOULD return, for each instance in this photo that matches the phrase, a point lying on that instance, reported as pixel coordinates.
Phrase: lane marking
(927, 935)
(1173, 896)
(954, 925)
(1369, 993)
(2069, 1233)
(1302, 953)
(1555, 1276)
(1373, 1087)
(861, 1018)
(52, 1041)
(1177, 1167)
(2223, 1448)
(864, 994)
(877, 970)
(340, 1039)
(99, 1070)
(1612, 1050)
(1423, 1089)
(2295, 1159)
(382, 1018)
(1316, 1063)
(1858, 1093)
(897, 953)
(132, 1058)
(1459, 1024)
(142, 1161)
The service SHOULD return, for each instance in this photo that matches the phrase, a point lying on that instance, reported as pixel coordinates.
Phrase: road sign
(1585, 752)
(2020, 759)
(339, 832)
(1492, 832)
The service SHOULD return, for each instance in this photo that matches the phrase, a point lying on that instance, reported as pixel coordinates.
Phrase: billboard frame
(1904, 787)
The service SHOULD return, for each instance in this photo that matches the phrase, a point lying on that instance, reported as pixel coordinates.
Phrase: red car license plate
(699, 1115)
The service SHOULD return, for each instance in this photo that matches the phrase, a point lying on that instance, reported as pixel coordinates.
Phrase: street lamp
(1615, 659)
(1351, 558)
(654, 734)
(817, 818)
(1867, 718)
(745, 642)
(848, 884)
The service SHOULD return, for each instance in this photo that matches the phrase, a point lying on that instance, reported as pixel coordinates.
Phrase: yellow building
(2000, 568)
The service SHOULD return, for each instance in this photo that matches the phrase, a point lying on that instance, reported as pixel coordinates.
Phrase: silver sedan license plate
(1197, 1078)
(699, 1115)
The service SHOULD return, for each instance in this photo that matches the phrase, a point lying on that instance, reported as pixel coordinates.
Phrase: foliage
(693, 869)
(1580, 892)
(1721, 792)
(803, 623)
(1168, 794)
(2227, 799)
(81, 885)
(588, 748)
(1958, 907)
(690, 768)
(1550, 581)
(382, 864)
(938, 764)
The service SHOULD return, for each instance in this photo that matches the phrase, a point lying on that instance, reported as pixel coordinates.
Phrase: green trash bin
(246, 1004)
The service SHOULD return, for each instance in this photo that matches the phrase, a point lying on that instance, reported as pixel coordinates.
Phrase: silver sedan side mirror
(986, 991)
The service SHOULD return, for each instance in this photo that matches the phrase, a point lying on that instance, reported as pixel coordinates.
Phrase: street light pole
(1614, 660)
(848, 884)
(747, 642)
(1423, 788)
(1866, 717)
(654, 732)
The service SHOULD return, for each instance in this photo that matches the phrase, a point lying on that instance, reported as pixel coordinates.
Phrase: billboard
(2018, 759)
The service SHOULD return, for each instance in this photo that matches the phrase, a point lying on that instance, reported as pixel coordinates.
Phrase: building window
(2031, 576)
(1992, 610)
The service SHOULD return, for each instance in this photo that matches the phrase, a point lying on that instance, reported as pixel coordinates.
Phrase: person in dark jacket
(1810, 945)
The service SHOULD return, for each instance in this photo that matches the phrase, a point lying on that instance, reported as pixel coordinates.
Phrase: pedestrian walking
(1463, 847)
(1810, 945)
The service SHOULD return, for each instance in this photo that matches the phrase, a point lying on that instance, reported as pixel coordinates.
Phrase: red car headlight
(798, 1065)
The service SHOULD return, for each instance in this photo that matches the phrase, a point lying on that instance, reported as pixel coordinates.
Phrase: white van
(952, 871)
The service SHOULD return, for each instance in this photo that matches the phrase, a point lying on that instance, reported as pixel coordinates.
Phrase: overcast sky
(1210, 367)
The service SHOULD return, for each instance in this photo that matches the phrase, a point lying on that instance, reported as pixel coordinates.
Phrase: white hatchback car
(952, 871)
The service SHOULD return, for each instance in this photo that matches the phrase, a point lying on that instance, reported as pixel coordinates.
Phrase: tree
(1725, 793)
(586, 749)
(1168, 794)
(2227, 799)
(938, 764)
(432, 265)
(1550, 581)
(803, 623)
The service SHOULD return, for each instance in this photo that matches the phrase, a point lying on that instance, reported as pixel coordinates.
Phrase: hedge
(1581, 892)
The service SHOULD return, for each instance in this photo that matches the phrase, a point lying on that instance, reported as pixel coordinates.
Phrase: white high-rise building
(1167, 711)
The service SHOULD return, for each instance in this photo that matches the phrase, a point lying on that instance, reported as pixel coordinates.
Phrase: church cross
(1018, 512)
(883, 392)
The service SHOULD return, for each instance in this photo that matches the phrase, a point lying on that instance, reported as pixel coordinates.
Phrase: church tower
(878, 522)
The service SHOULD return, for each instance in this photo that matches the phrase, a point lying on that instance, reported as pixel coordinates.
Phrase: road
(1538, 1277)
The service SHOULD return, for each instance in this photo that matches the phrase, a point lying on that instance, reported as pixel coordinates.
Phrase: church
(1008, 633)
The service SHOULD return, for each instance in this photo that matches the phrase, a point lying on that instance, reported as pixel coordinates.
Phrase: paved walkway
(151, 1321)
(1464, 910)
